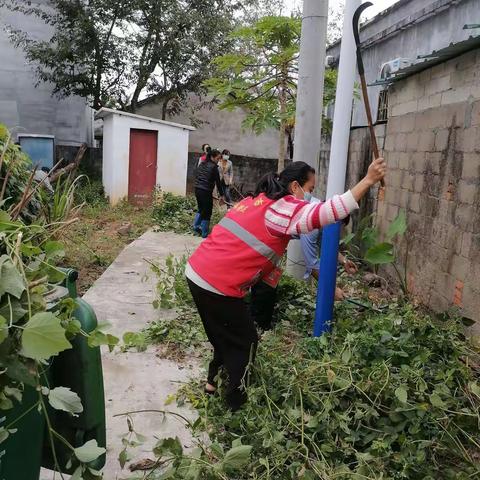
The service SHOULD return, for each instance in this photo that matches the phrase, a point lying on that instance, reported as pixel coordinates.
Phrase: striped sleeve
(290, 216)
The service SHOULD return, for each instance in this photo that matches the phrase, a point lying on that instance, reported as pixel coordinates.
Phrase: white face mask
(307, 196)
(226, 157)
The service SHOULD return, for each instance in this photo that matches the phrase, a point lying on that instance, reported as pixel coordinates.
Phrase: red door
(142, 173)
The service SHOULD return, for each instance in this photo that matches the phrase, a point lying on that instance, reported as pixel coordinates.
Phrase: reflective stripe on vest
(253, 242)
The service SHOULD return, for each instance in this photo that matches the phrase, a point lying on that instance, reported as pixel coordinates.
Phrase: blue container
(40, 148)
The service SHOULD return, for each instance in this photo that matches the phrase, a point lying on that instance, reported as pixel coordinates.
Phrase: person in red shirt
(245, 248)
(205, 149)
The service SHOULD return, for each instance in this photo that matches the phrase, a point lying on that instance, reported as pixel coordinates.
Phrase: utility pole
(337, 170)
(308, 116)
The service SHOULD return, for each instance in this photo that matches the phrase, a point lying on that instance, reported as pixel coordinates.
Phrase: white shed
(140, 153)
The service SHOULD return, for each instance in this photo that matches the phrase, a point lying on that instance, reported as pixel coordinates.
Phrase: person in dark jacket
(207, 177)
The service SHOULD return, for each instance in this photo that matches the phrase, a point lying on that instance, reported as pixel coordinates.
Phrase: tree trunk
(143, 73)
(97, 101)
(282, 98)
(290, 143)
(134, 102)
(164, 108)
(281, 146)
(141, 83)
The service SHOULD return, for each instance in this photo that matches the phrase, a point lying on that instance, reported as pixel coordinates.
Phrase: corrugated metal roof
(437, 56)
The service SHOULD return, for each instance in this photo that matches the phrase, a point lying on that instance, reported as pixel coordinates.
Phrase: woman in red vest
(246, 247)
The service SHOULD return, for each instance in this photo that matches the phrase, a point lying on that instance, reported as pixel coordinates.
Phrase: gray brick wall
(247, 171)
(432, 147)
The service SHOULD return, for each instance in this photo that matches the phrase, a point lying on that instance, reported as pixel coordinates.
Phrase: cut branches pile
(388, 395)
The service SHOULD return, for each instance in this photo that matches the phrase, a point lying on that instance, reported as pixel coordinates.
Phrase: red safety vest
(240, 251)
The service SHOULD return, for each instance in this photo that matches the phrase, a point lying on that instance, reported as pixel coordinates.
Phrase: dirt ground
(102, 232)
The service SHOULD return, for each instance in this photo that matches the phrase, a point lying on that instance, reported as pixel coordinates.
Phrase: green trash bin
(22, 451)
(80, 369)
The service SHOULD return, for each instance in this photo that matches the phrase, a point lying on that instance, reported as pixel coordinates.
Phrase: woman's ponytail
(270, 185)
(275, 185)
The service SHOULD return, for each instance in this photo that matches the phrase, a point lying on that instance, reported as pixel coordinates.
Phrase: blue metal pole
(336, 171)
(327, 279)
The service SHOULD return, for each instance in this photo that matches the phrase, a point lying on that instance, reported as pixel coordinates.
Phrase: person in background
(264, 297)
(207, 178)
(41, 176)
(311, 244)
(245, 248)
(225, 168)
(205, 149)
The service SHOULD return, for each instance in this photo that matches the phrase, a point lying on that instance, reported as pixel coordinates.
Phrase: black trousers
(232, 333)
(262, 304)
(205, 203)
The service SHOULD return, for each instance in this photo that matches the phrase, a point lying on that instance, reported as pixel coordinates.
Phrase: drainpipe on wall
(337, 171)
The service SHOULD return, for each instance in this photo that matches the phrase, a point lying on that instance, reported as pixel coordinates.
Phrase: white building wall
(172, 155)
(172, 159)
(407, 29)
(108, 156)
(220, 129)
(27, 108)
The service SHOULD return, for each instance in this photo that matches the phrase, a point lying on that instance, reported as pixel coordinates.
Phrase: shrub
(174, 213)
(91, 193)
(15, 173)
(31, 332)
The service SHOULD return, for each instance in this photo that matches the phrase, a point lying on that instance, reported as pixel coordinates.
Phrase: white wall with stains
(172, 153)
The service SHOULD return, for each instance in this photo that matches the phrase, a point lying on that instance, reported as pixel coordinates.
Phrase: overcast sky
(378, 6)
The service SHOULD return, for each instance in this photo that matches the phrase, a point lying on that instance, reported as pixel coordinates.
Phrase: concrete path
(123, 297)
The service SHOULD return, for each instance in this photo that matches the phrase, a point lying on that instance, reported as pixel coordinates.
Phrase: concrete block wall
(359, 158)
(432, 147)
(247, 171)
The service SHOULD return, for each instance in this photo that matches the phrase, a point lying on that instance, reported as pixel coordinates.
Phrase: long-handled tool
(364, 305)
(361, 73)
(238, 191)
(225, 202)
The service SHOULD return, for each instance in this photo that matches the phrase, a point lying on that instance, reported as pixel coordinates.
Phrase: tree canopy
(115, 53)
(260, 75)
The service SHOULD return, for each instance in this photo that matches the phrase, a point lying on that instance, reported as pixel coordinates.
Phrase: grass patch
(173, 213)
(386, 396)
(94, 242)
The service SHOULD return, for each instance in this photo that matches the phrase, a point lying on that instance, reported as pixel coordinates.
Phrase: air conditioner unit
(330, 60)
(393, 66)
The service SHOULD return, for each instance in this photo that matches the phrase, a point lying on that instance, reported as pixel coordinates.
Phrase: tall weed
(173, 213)
(61, 206)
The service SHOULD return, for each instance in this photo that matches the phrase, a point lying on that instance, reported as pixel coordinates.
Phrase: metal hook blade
(356, 20)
